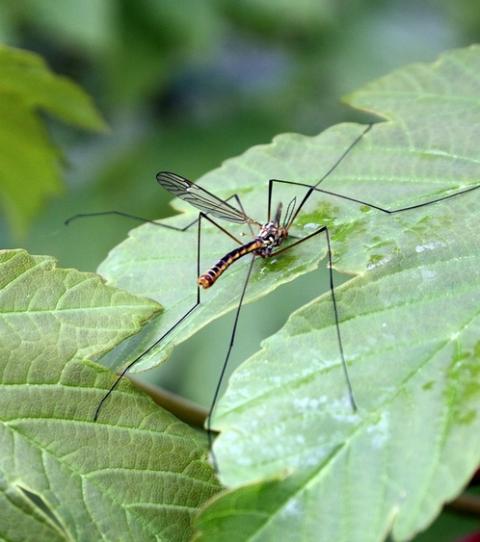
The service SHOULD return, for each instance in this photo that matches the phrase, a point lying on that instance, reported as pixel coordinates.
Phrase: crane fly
(271, 234)
(264, 244)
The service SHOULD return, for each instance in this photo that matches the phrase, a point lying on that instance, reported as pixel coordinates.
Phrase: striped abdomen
(208, 278)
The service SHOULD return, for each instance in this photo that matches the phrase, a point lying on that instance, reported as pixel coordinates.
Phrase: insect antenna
(289, 212)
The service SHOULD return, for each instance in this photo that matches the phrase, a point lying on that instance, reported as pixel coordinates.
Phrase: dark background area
(185, 85)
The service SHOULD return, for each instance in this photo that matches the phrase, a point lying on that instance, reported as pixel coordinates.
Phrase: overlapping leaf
(409, 319)
(137, 474)
(411, 328)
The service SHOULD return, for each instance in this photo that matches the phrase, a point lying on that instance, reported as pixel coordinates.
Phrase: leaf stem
(182, 408)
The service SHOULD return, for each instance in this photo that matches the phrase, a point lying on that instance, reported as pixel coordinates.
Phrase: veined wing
(201, 198)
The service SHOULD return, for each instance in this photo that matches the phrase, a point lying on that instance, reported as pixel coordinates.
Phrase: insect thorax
(272, 235)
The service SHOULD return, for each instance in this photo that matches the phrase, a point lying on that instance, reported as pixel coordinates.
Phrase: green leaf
(411, 332)
(408, 315)
(26, 76)
(138, 474)
(393, 166)
(408, 318)
(27, 85)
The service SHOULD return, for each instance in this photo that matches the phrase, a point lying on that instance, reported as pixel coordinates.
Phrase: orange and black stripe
(207, 279)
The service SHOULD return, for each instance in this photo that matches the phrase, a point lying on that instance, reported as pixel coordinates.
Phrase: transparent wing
(200, 198)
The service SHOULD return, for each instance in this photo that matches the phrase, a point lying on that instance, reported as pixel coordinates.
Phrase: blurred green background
(184, 85)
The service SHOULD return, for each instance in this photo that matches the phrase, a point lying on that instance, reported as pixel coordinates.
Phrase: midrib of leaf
(165, 474)
(191, 509)
(118, 427)
(78, 310)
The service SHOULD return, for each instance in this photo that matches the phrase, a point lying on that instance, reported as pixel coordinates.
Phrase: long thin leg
(225, 363)
(221, 228)
(147, 220)
(158, 341)
(334, 302)
(177, 323)
(311, 188)
(377, 207)
(269, 203)
(119, 213)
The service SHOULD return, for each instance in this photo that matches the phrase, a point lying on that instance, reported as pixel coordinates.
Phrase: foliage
(292, 391)
(28, 86)
(131, 476)
(194, 94)
(184, 96)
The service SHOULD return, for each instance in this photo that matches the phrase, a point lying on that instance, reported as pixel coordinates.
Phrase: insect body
(270, 236)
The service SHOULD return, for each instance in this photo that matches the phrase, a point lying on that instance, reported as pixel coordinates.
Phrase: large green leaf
(394, 165)
(136, 475)
(408, 318)
(410, 323)
(27, 85)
